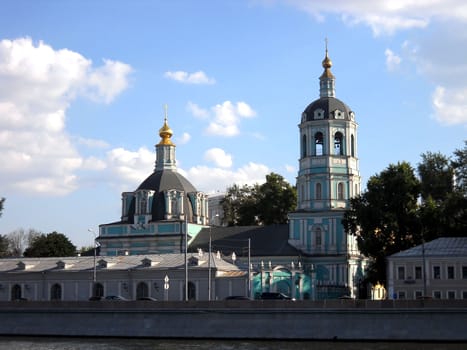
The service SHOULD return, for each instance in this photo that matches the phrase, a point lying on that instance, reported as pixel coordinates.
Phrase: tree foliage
(51, 245)
(384, 217)
(4, 245)
(264, 204)
(2, 200)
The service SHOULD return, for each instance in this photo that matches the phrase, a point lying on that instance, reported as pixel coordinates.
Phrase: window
(142, 290)
(464, 294)
(318, 191)
(338, 146)
(401, 273)
(352, 146)
(436, 272)
(418, 272)
(303, 146)
(16, 292)
(451, 272)
(418, 294)
(451, 294)
(191, 291)
(436, 294)
(318, 237)
(401, 294)
(319, 144)
(340, 191)
(464, 272)
(56, 292)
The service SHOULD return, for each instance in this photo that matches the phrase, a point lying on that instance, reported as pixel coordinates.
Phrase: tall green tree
(4, 245)
(2, 200)
(263, 204)
(459, 164)
(276, 199)
(51, 245)
(384, 217)
(436, 176)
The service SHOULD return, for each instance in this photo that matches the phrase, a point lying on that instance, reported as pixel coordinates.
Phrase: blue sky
(83, 85)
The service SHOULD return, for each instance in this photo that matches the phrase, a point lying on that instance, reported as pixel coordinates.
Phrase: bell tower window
(303, 146)
(352, 146)
(340, 191)
(318, 191)
(319, 144)
(338, 146)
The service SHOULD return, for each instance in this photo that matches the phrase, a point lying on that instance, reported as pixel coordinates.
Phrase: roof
(440, 247)
(328, 105)
(269, 240)
(76, 263)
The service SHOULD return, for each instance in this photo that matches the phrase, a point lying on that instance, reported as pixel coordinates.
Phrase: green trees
(264, 204)
(399, 210)
(2, 200)
(51, 245)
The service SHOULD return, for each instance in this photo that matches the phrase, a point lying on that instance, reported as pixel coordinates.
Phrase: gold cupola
(165, 132)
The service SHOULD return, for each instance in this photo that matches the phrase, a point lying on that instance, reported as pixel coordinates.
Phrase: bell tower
(328, 177)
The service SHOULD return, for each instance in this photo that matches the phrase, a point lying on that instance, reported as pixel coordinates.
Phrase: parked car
(147, 299)
(274, 296)
(116, 298)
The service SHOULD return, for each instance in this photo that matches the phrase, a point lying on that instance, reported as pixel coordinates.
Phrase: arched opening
(56, 292)
(340, 191)
(319, 145)
(338, 145)
(98, 290)
(142, 290)
(303, 146)
(352, 146)
(16, 292)
(318, 194)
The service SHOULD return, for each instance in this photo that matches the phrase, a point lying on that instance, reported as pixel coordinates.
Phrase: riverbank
(424, 320)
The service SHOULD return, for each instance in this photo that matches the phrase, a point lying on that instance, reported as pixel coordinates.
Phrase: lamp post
(95, 252)
(186, 258)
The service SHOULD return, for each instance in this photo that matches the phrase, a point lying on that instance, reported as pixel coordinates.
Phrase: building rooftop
(444, 246)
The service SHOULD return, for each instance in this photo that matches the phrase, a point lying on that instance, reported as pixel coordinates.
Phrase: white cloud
(183, 139)
(197, 111)
(392, 61)
(37, 86)
(198, 77)
(290, 168)
(226, 118)
(450, 105)
(218, 157)
(91, 143)
(213, 180)
(386, 16)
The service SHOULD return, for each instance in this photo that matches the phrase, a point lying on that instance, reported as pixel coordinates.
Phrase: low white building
(437, 269)
(132, 277)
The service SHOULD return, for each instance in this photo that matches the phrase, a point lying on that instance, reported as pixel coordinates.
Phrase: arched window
(338, 146)
(56, 292)
(191, 291)
(98, 290)
(319, 146)
(303, 146)
(352, 146)
(142, 290)
(318, 191)
(318, 238)
(340, 191)
(16, 292)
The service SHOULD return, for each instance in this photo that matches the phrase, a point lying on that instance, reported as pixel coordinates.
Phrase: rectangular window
(401, 294)
(401, 272)
(436, 272)
(464, 272)
(451, 272)
(418, 294)
(418, 272)
(464, 294)
(451, 294)
(436, 294)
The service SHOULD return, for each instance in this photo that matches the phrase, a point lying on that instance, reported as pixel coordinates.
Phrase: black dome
(328, 105)
(163, 180)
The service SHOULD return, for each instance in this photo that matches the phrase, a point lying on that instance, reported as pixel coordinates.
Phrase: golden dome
(165, 133)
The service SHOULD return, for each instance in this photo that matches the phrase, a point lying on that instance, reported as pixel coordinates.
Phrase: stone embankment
(424, 320)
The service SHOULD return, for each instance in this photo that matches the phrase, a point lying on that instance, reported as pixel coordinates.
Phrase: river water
(45, 343)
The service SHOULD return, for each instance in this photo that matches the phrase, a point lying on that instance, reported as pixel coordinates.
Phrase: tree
(459, 163)
(384, 217)
(51, 245)
(436, 176)
(276, 199)
(4, 244)
(264, 204)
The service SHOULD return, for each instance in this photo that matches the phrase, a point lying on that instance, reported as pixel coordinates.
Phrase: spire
(165, 149)
(165, 132)
(326, 80)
